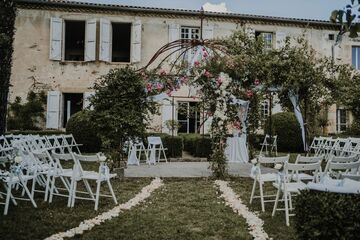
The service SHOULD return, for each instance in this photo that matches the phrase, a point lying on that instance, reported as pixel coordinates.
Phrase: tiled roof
(118, 7)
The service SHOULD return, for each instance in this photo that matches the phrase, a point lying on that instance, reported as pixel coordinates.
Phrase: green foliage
(203, 147)
(28, 115)
(174, 146)
(324, 215)
(121, 109)
(7, 31)
(36, 132)
(286, 127)
(84, 131)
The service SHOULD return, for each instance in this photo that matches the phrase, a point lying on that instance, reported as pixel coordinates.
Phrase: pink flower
(257, 82)
(249, 93)
(219, 81)
(168, 92)
(159, 86)
(149, 87)
(197, 63)
(205, 54)
(207, 74)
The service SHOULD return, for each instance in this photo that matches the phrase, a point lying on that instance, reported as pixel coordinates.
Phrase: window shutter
(105, 40)
(90, 40)
(53, 109)
(136, 41)
(56, 29)
(280, 39)
(208, 32)
(166, 115)
(86, 101)
(174, 34)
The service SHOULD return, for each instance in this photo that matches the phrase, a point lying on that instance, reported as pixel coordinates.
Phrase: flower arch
(220, 79)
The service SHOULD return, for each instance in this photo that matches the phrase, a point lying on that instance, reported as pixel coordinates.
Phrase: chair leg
(7, 201)
(29, 194)
(97, 195)
(74, 195)
(52, 190)
(47, 187)
(290, 202)
(112, 191)
(286, 209)
(253, 191)
(71, 192)
(88, 188)
(276, 202)
(33, 187)
(262, 197)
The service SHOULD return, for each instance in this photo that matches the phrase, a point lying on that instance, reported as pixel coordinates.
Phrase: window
(121, 39)
(331, 37)
(341, 120)
(190, 33)
(355, 57)
(188, 117)
(265, 109)
(267, 38)
(73, 103)
(74, 40)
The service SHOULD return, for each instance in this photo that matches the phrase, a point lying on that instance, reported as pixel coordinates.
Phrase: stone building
(62, 47)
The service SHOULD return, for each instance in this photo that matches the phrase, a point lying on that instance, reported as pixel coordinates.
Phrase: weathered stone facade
(33, 68)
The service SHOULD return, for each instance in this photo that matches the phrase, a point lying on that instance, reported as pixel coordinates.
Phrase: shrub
(203, 147)
(286, 127)
(28, 115)
(174, 146)
(324, 215)
(189, 142)
(35, 132)
(84, 131)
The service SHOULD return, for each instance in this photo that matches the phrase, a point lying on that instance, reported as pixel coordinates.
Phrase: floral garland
(232, 200)
(90, 223)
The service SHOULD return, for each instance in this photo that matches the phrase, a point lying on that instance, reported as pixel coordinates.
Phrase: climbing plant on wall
(7, 29)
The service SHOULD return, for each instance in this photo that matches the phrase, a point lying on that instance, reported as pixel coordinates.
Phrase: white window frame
(265, 109)
(356, 65)
(267, 36)
(340, 124)
(187, 121)
(189, 55)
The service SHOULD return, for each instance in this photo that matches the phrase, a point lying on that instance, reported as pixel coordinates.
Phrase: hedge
(36, 132)
(84, 131)
(286, 127)
(174, 146)
(324, 215)
(203, 147)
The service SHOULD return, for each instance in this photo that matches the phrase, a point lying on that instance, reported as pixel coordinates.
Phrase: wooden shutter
(280, 39)
(86, 101)
(53, 109)
(90, 40)
(174, 34)
(166, 115)
(105, 40)
(136, 41)
(208, 31)
(56, 35)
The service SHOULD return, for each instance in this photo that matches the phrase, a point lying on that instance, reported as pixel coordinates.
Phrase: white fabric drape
(294, 98)
(236, 150)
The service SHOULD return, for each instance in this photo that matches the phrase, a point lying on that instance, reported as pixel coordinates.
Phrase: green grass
(26, 222)
(182, 209)
(275, 226)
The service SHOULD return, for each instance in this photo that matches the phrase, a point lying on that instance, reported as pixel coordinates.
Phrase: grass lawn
(181, 209)
(26, 222)
(275, 226)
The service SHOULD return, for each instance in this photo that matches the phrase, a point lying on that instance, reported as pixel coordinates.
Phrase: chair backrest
(69, 143)
(152, 140)
(348, 159)
(273, 160)
(86, 158)
(341, 167)
(312, 159)
(292, 170)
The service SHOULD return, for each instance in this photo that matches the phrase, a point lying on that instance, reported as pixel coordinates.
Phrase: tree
(7, 29)
(121, 109)
(347, 19)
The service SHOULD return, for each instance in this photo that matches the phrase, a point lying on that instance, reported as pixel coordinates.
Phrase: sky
(309, 9)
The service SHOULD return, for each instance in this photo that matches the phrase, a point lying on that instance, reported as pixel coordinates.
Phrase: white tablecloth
(236, 150)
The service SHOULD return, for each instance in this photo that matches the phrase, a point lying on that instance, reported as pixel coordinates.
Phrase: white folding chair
(303, 176)
(287, 185)
(68, 142)
(337, 166)
(103, 175)
(260, 178)
(270, 143)
(136, 150)
(155, 148)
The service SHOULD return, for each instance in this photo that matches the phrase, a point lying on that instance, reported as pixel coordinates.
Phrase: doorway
(73, 103)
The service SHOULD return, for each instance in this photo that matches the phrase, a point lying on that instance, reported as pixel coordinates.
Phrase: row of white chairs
(38, 161)
(329, 146)
(155, 151)
(294, 177)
